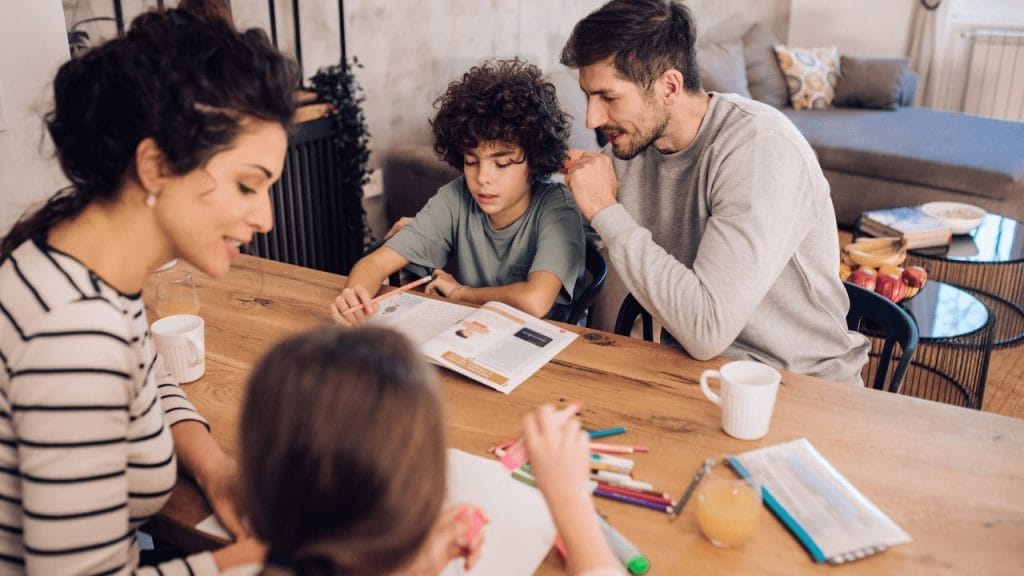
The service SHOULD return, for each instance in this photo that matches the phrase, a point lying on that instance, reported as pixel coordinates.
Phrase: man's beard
(635, 148)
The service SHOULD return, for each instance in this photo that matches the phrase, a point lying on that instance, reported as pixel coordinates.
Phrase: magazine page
(497, 345)
(418, 317)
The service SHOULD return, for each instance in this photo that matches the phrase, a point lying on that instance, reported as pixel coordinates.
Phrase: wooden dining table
(952, 478)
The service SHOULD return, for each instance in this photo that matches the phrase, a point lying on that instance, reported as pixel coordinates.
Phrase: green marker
(623, 549)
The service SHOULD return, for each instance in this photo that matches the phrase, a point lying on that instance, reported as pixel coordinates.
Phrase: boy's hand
(443, 284)
(349, 298)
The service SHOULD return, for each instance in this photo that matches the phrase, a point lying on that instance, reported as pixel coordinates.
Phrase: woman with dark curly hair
(171, 137)
(507, 232)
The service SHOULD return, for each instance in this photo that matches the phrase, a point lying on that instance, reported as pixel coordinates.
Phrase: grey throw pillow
(722, 68)
(870, 82)
(764, 78)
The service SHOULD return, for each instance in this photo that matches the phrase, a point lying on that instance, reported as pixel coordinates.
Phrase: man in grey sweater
(715, 212)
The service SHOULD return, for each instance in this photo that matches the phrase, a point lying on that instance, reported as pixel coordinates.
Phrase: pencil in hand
(399, 290)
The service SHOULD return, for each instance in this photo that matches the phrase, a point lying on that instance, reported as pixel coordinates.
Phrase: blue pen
(624, 550)
(607, 432)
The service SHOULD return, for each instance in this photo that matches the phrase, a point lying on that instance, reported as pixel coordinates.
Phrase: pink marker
(476, 522)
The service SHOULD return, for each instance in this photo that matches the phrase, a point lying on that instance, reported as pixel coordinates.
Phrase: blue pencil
(607, 432)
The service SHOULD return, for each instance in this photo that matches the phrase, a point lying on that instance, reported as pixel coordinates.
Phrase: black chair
(595, 273)
(874, 315)
(628, 313)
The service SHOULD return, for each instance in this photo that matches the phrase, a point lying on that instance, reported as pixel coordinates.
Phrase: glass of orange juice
(175, 293)
(728, 507)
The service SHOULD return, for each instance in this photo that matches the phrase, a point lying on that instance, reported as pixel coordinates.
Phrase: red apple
(915, 276)
(864, 277)
(891, 287)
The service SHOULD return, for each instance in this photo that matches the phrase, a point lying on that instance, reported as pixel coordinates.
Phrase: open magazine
(495, 344)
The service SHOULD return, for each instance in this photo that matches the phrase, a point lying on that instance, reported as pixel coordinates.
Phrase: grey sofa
(875, 148)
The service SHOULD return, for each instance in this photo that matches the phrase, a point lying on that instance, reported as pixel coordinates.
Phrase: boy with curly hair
(507, 232)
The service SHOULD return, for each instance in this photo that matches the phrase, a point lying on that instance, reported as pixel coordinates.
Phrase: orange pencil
(398, 290)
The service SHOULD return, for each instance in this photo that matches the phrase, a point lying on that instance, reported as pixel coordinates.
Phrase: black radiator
(317, 223)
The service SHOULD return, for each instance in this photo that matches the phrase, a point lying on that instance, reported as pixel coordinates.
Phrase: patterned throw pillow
(811, 75)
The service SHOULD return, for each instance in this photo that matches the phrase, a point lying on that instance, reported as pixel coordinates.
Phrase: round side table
(990, 263)
(952, 357)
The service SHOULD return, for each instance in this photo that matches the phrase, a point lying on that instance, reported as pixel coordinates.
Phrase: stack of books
(917, 229)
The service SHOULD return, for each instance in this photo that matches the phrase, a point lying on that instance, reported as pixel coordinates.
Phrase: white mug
(179, 341)
(748, 397)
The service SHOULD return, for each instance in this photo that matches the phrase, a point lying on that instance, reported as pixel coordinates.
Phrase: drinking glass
(175, 293)
(728, 507)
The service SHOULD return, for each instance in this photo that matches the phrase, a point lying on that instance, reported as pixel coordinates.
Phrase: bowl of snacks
(961, 218)
(875, 264)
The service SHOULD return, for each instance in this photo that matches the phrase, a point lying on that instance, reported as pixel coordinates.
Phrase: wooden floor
(1004, 389)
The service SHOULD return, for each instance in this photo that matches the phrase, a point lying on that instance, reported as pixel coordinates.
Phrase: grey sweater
(731, 244)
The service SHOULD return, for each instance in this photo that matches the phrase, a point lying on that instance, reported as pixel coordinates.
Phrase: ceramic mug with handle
(747, 399)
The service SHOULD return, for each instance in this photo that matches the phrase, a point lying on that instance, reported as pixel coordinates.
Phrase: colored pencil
(611, 477)
(655, 493)
(636, 494)
(399, 290)
(594, 465)
(607, 432)
(631, 500)
(620, 480)
(611, 448)
(616, 448)
(624, 462)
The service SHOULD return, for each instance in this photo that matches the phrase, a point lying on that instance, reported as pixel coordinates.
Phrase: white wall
(875, 28)
(33, 44)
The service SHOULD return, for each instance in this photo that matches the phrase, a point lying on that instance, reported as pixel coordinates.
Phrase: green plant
(337, 86)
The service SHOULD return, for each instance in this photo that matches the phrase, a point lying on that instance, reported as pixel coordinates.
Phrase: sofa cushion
(722, 68)
(870, 82)
(764, 79)
(945, 150)
(811, 75)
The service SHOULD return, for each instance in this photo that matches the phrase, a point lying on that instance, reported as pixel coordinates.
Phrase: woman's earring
(150, 199)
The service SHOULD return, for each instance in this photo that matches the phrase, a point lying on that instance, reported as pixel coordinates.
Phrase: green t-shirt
(451, 229)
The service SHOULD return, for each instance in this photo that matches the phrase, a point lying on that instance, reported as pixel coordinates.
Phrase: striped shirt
(86, 453)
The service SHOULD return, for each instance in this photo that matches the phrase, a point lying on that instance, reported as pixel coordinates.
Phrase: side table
(956, 334)
(990, 263)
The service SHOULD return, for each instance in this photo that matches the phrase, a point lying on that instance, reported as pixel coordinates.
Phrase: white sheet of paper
(520, 533)
(212, 526)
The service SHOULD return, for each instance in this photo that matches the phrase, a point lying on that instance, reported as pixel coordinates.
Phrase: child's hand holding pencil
(354, 306)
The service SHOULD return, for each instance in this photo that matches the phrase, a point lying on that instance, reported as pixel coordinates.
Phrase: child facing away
(343, 453)
(505, 230)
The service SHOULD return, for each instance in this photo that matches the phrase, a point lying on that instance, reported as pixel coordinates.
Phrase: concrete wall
(411, 50)
(33, 44)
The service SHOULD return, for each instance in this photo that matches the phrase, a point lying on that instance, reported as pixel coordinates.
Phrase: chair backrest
(883, 315)
(628, 313)
(595, 273)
